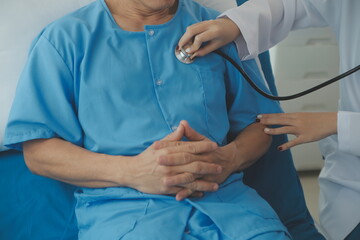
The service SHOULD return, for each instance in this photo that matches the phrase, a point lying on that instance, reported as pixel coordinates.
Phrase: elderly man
(101, 88)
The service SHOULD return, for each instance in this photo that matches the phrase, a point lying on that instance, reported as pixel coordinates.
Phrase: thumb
(176, 135)
(190, 133)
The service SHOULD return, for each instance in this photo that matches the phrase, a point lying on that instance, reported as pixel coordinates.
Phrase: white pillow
(20, 22)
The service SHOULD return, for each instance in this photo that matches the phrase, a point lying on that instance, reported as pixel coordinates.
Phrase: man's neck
(131, 15)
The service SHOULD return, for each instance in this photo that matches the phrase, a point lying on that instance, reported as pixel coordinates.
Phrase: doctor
(260, 24)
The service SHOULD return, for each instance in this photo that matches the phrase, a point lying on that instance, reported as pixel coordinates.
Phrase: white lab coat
(263, 24)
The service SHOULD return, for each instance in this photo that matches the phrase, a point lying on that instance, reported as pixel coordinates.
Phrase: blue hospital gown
(116, 92)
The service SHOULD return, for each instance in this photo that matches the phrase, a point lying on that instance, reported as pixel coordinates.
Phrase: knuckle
(198, 168)
(189, 178)
(164, 152)
(166, 170)
(198, 39)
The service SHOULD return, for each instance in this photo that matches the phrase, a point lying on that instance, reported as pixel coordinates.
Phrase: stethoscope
(184, 57)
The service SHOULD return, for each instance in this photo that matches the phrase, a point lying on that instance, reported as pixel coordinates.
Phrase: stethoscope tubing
(285, 98)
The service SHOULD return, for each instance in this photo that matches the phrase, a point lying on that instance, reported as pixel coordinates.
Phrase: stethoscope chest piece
(183, 56)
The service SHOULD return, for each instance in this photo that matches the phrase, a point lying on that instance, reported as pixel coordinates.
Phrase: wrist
(120, 170)
(231, 154)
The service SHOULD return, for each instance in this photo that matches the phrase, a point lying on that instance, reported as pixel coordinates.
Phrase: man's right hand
(147, 175)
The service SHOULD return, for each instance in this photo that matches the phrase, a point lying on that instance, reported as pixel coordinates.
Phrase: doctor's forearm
(66, 162)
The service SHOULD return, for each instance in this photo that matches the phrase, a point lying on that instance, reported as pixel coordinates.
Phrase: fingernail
(214, 146)
(266, 130)
(280, 148)
(215, 187)
(188, 49)
(259, 116)
(219, 169)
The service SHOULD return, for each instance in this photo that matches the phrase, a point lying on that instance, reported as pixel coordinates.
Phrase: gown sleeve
(243, 102)
(44, 105)
(349, 132)
(265, 23)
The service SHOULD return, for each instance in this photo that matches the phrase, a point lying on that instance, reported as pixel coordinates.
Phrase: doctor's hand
(216, 33)
(306, 126)
(148, 175)
(223, 156)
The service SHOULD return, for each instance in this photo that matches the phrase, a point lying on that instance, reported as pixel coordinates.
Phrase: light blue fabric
(116, 92)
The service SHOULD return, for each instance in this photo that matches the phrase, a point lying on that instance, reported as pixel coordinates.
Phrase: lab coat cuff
(246, 41)
(349, 132)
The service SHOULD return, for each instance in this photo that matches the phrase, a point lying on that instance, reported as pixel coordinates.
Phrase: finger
(190, 133)
(197, 186)
(275, 115)
(171, 190)
(280, 130)
(289, 144)
(196, 195)
(176, 135)
(202, 186)
(198, 167)
(277, 121)
(182, 158)
(184, 193)
(186, 147)
(199, 39)
(212, 46)
(180, 179)
(191, 32)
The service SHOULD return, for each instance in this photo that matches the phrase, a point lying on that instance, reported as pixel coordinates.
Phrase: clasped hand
(172, 166)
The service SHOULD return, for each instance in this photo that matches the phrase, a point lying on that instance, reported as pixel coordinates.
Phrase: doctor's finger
(276, 121)
(191, 32)
(207, 36)
(212, 46)
(280, 130)
(290, 144)
(274, 115)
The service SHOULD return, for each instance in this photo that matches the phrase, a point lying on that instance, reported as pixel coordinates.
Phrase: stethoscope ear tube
(284, 98)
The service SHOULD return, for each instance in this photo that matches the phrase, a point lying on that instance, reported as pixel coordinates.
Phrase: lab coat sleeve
(349, 132)
(44, 103)
(265, 23)
(243, 102)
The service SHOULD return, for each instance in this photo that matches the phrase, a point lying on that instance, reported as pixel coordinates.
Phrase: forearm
(66, 162)
(250, 145)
